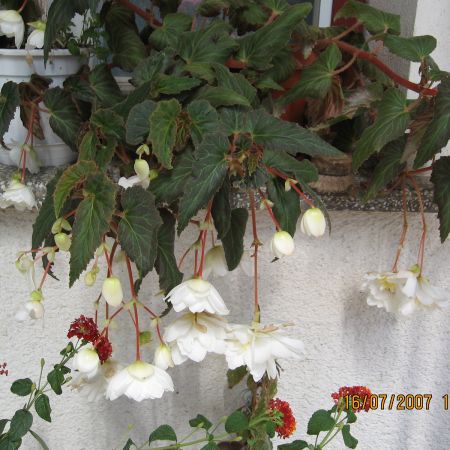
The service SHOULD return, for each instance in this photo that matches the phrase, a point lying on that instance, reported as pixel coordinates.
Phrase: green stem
(187, 444)
(327, 438)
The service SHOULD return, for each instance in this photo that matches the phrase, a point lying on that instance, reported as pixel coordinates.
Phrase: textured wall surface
(347, 342)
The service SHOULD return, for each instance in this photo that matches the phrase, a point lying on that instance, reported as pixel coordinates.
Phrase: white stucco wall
(347, 342)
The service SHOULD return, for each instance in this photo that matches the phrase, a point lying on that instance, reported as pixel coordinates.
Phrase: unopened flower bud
(112, 291)
(24, 263)
(63, 241)
(143, 149)
(142, 169)
(266, 204)
(163, 357)
(87, 362)
(282, 244)
(153, 174)
(89, 278)
(313, 223)
(35, 309)
(61, 224)
(50, 252)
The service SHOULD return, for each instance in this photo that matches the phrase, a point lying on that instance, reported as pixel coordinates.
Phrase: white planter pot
(18, 66)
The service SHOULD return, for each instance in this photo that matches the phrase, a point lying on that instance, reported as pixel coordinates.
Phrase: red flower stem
(348, 48)
(24, 165)
(356, 25)
(421, 254)
(294, 186)
(24, 4)
(195, 261)
(105, 329)
(146, 15)
(256, 244)
(154, 316)
(44, 276)
(184, 257)
(69, 214)
(136, 314)
(269, 210)
(404, 229)
(204, 234)
(422, 170)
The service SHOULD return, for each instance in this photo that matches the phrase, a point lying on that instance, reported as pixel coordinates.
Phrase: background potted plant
(201, 121)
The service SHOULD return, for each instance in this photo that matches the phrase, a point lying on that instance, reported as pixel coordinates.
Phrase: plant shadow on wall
(208, 116)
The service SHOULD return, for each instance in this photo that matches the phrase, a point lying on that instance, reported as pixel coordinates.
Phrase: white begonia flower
(139, 381)
(127, 183)
(112, 291)
(282, 244)
(12, 25)
(94, 389)
(163, 357)
(36, 37)
(142, 169)
(87, 362)
(19, 196)
(32, 162)
(404, 292)
(34, 309)
(192, 336)
(259, 347)
(215, 262)
(313, 223)
(197, 295)
(63, 241)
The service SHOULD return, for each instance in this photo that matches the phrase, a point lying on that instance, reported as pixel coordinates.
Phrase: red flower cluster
(3, 369)
(85, 328)
(347, 393)
(288, 425)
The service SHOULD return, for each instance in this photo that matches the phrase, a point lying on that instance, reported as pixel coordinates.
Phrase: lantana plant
(206, 118)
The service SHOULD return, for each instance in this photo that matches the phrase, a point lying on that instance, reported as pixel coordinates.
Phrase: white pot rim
(40, 52)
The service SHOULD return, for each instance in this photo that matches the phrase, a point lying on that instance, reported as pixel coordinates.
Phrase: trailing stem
(256, 244)
(136, 313)
(404, 229)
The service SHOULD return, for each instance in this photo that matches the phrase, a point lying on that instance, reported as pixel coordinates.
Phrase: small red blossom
(104, 348)
(285, 419)
(3, 369)
(347, 393)
(83, 328)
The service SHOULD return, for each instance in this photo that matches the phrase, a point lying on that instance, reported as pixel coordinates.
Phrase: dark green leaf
(376, 21)
(64, 117)
(169, 33)
(209, 172)
(138, 122)
(235, 376)
(92, 149)
(171, 85)
(295, 445)
(221, 209)
(320, 421)
(56, 378)
(200, 422)
(105, 86)
(349, 440)
(8, 444)
(138, 228)
(60, 15)
(437, 133)
(129, 444)
(68, 180)
(109, 122)
(163, 433)
(135, 97)
(413, 48)
(22, 387)
(441, 180)
(3, 423)
(166, 263)
(303, 171)
(390, 124)
(233, 241)
(149, 68)
(208, 45)
(236, 82)
(204, 119)
(123, 37)
(212, 8)
(236, 422)
(221, 96)
(163, 129)
(388, 167)
(43, 408)
(316, 80)
(9, 101)
(278, 134)
(20, 424)
(170, 185)
(351, 417)
(91, 222)
(167, 6)
(286, 206)
(257, 49)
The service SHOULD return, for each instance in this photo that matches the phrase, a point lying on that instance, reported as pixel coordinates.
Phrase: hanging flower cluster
(346, 394)
(283, 417)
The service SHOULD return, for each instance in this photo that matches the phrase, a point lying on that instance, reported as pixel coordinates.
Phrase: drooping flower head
(18, 195)
(282, 244)
(12, 25)
(283, 418)
(139, 381)
(346, 393)
(192, 336)
(197, 295)
(163, 357)
(215, 262)
(83, 328)
(313, 223)
(112, 291)
(86, 362)
(258, 347)
(36, 37)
